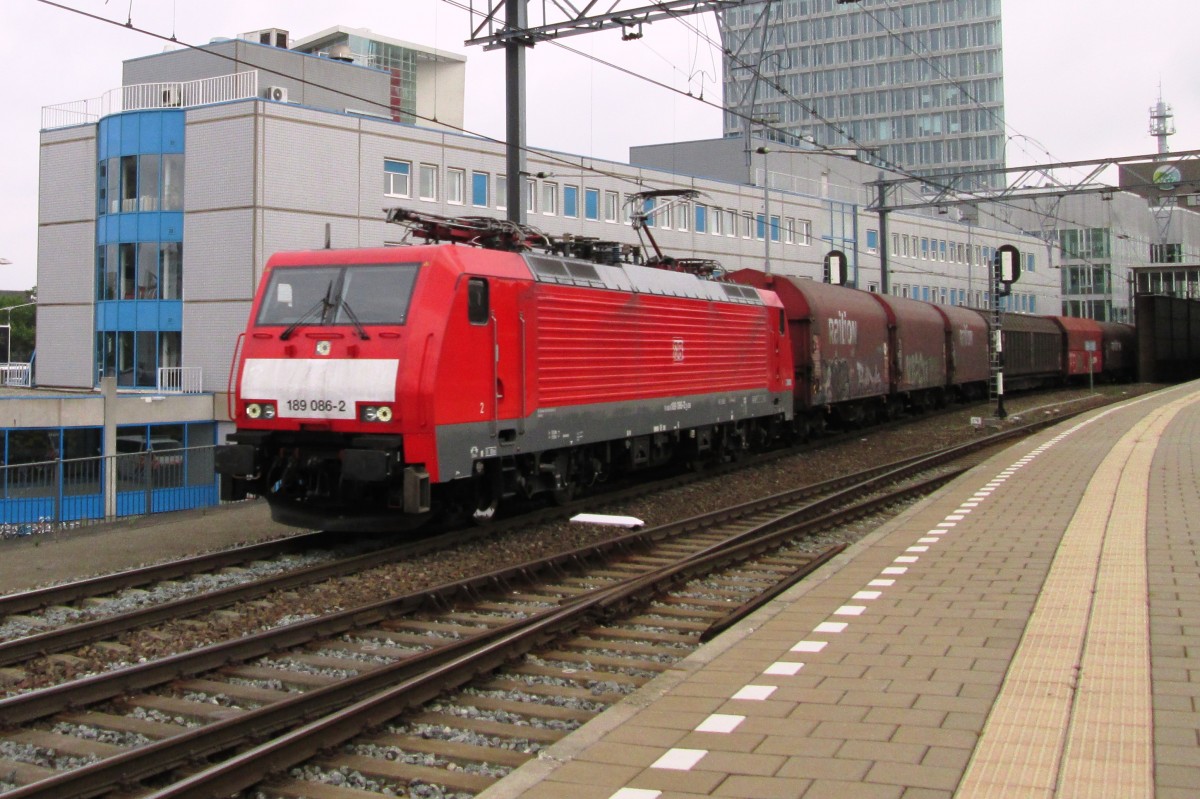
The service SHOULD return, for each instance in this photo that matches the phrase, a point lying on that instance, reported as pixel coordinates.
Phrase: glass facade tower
(917, 83)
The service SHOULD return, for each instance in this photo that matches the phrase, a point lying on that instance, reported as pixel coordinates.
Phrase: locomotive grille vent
(571, 273)
(741, 294)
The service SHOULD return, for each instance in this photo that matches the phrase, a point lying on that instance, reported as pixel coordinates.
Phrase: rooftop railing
(145, 96)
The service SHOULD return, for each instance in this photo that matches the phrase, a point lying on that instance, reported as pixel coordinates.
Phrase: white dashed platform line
(721, 723)
(679, 759)
(685, 759)
(783, 668)
(636, 793)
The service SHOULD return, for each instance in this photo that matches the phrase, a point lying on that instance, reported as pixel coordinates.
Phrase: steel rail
(248, 768)
(180, 750)
(132, 578)
(39, 703)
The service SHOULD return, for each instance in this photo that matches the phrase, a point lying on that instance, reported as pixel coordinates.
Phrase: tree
(22, 324)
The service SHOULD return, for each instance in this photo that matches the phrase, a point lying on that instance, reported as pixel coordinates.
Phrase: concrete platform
(1032, 630)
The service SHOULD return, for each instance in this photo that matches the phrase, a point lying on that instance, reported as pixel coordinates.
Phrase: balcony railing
(15, 375)
(143, 96)
(180, 379)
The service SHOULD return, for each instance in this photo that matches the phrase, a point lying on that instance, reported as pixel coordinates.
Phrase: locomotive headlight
(254, 410)
(376, 413)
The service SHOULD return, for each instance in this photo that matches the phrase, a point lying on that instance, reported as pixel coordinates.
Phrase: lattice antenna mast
(1162, 123)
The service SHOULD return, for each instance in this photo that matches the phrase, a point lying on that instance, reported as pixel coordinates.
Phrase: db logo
(677, 349)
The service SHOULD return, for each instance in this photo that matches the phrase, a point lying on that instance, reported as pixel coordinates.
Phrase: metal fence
(141, 96)
(46, 496)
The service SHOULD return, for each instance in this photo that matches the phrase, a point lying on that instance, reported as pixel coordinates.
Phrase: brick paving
(1029, 631)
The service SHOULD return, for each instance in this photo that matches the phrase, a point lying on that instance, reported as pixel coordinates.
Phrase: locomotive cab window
(478, 307)
(338, 294)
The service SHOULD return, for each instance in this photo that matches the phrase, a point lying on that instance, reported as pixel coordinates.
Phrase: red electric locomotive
(374, 387)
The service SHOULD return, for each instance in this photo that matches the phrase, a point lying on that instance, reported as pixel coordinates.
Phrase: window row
(929, 249)
(139, 271)
(134, 357)
(150, 182)
(1017, 302)
(483, 190)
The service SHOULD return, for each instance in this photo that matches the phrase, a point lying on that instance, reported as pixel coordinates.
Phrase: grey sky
(1079, 78)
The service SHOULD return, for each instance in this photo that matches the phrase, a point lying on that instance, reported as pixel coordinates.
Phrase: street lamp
(8, 326)
(766, 211)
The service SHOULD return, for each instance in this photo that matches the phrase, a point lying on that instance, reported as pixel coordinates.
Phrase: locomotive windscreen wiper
(358, 326)
(318, 311)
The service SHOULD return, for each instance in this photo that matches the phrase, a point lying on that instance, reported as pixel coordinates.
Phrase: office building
(915, 84)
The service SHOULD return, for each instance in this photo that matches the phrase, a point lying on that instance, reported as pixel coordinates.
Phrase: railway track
(99, 613)
(111, 731)
(94, 735)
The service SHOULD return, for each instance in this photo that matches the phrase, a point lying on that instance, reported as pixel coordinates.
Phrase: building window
(502, 192)
(789, 231)
(612, 206)
(396, 178)
(775, 228)
(718, 217)
(479, 189)
(571, 202)
(924, 249)
(682, 212)
(941, 250)
(1164, 253)
(591, 204)
(172, 170)
(428, 187)
(804, 232)
(872, 241)
(731, 223)
(701, 219)
(455, 180)
(747, 225)
(549, 198)
(648, 211)
(530, 195)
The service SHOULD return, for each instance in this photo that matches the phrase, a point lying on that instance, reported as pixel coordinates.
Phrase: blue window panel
(925, 293)
(171, 226)
(172, 131)
(127, 227)
(591, 204)
(107, 229)
(570, 201)
(648, 209)
(774, 228)
(1029, 264)
(1033, 303)
(126, 316)
(150, 133)
(147, 316)
(148, 226)
(872, 239)
(106, 315)
(130, 136)
(170, 315)
(924, 248)
(479, 189)
(760, 226)
(701, 219)
(398, 167)
(942, 247)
